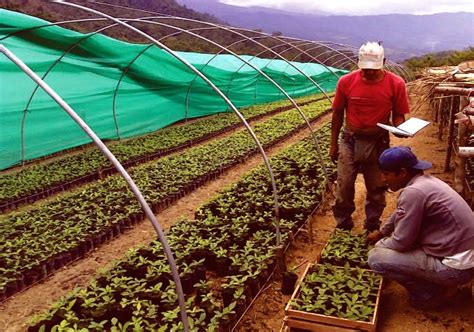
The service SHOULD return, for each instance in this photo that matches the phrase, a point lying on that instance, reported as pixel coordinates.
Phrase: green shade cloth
(152, 89)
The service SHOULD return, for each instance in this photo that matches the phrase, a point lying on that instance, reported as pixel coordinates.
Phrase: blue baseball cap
(399, 157)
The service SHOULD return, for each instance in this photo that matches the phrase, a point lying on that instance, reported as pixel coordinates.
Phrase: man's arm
(336, 125)
(397, 119)
(385, 230)
(338, 108)
(408, 218)
(389, 226)
(400, 105)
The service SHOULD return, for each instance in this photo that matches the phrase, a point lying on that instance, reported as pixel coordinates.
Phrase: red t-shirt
(368, 103)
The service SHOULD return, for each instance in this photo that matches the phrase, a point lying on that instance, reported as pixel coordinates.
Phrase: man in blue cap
(427, 244)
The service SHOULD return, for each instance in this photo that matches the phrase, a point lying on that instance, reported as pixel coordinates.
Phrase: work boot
(436, 301)
(371, 226)
(346, 225)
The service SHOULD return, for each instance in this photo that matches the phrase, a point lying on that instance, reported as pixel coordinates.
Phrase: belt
(367, 137)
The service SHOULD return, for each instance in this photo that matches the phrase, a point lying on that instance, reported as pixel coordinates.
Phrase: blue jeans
(347, 169)
(424, 276)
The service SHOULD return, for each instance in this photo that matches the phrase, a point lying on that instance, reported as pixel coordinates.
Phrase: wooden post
(280, 256)
(449, 150)
(459, 161)
(441, 106)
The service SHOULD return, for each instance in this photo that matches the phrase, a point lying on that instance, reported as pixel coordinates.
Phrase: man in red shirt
(365, 96)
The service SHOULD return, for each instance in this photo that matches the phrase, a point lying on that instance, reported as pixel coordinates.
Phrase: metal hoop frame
(124, 22)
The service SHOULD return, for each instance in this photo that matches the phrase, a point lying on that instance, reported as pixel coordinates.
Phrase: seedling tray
(299, 319)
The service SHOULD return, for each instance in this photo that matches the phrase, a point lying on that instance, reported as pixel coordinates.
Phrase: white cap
(371, 56)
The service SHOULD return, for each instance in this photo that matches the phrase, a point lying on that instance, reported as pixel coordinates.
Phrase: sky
(363, 7)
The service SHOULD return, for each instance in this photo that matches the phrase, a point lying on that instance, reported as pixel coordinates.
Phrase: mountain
(222, 10)
(55, 12)
(403, 36)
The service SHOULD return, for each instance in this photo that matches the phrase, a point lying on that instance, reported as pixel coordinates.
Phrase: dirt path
(15, 312)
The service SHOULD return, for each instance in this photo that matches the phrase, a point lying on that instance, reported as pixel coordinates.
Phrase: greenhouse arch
(198, 73)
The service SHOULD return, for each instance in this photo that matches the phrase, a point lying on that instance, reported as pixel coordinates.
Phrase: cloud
(363, 7)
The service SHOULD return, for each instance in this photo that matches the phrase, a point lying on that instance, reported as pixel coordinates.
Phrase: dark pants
(424, 276)
(360, 154)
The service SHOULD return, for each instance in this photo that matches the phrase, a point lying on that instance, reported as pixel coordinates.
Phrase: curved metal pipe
(219, 26)
(249, 38)
(270, 61)
(314, 42)
(128, 66)
(318, 149)
(124, 72)
(275, 192)
(169, 254)
(67, 52)
(302, 51)
(258, 54)
(234, 73)
(392, 66)
(113, 160)
(191, 67)
(30, 100)
(263, 46)
(310, 49)
(324, 44)
(230, 29)
(262, 74)
(274, 83)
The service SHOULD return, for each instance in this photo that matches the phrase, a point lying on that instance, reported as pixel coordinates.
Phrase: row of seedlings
(36, 242)
(35, 182)
(223, 259)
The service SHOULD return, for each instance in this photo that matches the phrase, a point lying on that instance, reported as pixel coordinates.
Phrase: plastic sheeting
(151, 91)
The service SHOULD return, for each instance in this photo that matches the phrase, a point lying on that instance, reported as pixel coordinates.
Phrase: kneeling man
(427, 244)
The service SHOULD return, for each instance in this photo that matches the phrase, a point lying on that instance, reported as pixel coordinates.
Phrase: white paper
(413, 125)
(408, 128)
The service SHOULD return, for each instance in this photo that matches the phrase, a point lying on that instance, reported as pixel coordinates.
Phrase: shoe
(372, 226)
(437, 301)
(347, 226)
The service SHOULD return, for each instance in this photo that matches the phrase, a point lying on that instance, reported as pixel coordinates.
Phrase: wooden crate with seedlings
(332, 298)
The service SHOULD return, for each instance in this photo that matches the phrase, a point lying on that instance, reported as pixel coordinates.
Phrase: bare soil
(267, 312)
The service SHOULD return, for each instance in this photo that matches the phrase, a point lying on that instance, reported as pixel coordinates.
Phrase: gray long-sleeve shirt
(430, 215)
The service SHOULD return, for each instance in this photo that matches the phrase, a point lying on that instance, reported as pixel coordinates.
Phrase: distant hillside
(180, 42)
(439, 59)
(55, 12)
(403, 36)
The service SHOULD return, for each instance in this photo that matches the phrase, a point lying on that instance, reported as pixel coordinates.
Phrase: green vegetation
(446, 58)
(138, 292)
(29, 184)
(35, 242)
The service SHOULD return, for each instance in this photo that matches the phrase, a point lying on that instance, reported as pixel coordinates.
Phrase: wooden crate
(316, 322)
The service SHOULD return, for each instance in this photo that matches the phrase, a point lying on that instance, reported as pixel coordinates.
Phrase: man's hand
(334, 152)
(399, 136)
(373, 237)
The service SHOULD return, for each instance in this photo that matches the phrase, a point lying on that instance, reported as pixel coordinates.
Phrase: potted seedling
(288, 281)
